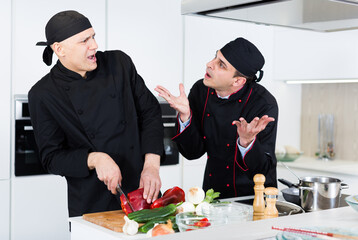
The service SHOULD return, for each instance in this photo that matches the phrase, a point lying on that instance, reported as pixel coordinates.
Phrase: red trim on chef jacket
(236, 147)
(230, 94)
(247, 99)
(206, 101)
(178, 131)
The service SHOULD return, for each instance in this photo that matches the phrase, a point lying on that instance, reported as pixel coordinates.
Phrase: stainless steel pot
(318, 193)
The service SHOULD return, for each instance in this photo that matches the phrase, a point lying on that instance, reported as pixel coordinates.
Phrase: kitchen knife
(120, 191)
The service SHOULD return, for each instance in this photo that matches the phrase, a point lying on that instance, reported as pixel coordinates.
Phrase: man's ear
(58, 49)
(239, 81)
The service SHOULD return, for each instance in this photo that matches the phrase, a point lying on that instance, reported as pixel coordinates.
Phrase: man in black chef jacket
(231, 118)
(95, 121)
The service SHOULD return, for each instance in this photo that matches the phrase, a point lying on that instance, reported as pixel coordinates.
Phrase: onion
(186, 207)
(202, 207)
(196, 195)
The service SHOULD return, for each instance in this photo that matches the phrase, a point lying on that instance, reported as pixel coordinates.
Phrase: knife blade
(120, 191)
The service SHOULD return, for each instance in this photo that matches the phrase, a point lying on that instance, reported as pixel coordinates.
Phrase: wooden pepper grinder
(259, 201)
(271, 210)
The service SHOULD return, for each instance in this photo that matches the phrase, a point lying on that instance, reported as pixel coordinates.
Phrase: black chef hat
(60, 27)
(245, 57)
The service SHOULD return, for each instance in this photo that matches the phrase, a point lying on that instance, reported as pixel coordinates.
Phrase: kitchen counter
(345, 218)
(331, 166)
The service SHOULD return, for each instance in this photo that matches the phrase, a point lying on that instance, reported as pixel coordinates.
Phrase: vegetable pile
(159, 217)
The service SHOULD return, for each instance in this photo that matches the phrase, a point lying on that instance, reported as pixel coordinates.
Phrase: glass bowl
(352, 201)
(229, 212)
(188, 221)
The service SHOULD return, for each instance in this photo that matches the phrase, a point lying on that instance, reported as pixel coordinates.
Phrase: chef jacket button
(208, 114)
(227, 167)
(67, 88)
(228, 185)
(228, 145)
(212, 93)
(91, 136)
(80, 112)
(239, 100)
(113, 95)
(204, 137)
(209, 174)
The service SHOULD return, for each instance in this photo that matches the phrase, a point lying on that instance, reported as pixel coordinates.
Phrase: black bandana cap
(60, 27)
(245, 57)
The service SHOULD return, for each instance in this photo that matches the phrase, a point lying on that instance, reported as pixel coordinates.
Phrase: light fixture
(313, 81)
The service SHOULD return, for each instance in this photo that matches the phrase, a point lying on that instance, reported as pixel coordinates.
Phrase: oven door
(171, 156)
(27, 160)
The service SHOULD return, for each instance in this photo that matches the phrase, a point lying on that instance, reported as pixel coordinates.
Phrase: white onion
(186, 207)
(202, 208)
(196, 195)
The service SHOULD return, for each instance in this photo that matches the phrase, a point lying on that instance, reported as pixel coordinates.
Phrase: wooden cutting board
(112, 220)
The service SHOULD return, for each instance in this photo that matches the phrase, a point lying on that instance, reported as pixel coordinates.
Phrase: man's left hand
(150, 179)
(248, 131)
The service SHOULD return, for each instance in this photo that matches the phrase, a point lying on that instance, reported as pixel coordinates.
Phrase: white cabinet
(5, 209)
(39, 208)
(5, 63)
(151, 36)
(171, 175)
(29, 21)
(306, 55)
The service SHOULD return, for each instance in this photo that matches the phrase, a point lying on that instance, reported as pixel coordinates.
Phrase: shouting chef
(95, 121)
(232, 118)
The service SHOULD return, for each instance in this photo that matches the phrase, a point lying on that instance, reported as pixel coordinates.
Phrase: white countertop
(345, 218)
(331, 166)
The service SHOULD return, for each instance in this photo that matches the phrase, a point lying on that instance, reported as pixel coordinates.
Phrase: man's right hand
(180, 104)
(107, 170)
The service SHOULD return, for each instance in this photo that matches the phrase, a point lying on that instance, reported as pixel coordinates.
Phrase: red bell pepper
(137, 201)
(202, 223)
(173, 195)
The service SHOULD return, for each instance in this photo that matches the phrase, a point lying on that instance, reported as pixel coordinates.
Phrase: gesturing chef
(232, 118)
(95, 121)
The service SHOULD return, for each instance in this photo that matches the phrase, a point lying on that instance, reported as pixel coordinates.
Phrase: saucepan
(314, 193)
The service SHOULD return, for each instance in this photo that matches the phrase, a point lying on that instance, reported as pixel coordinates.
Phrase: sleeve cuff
(243, 150)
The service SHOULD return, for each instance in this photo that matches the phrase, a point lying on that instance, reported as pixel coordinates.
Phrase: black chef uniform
(111, 111)
(210, 130)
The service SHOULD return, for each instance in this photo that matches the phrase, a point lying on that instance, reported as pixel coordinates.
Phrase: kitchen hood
(316, 15)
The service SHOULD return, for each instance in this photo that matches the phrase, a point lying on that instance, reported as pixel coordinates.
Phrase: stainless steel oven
(27, 161)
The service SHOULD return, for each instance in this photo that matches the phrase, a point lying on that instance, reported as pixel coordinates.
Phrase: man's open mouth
(92, 57)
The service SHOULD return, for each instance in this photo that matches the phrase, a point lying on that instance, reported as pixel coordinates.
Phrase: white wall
(29, 21)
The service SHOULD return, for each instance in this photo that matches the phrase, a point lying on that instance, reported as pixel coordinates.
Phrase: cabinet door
(5, 43)
(301, 54)
(151, 36)
(4, 209)
(39, 208)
